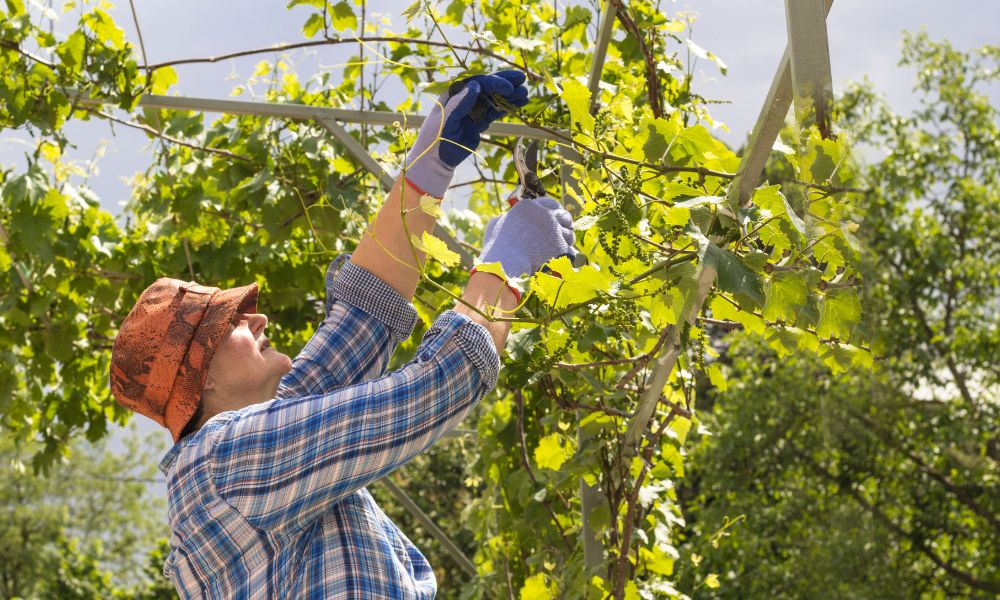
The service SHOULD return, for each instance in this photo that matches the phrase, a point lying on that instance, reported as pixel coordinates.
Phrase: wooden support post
(665, 363)
(590, 496)
(604, 31)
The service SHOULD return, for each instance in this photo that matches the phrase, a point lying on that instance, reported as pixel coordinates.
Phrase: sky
(749, 36)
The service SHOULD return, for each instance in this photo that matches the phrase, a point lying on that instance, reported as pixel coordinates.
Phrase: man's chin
(273, 355)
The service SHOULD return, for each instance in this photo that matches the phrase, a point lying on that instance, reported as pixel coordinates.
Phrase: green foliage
(83, 531)
(246, 198)
(876, 485)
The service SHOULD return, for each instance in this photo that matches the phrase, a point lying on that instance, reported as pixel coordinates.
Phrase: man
(267, 476)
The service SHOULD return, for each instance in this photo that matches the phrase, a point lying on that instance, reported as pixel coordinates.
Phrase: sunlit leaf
(536, 588)
(431, 205)
(162, 79)
(434, 247)
(785, 291)
(577, 99)
(313, 24)
(839, 310)
(552, 452)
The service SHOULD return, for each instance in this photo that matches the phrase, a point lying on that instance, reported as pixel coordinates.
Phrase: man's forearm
(484, 290)
(385, 250)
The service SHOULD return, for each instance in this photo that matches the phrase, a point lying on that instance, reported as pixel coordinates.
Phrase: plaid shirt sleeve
(365, 320)
(284, 462)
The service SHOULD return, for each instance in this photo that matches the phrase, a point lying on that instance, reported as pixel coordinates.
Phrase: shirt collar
(167, 464)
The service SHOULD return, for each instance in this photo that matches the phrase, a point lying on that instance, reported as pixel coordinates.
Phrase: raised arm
(368, 309)
(446, 138)
(365, 320)
(284, 462)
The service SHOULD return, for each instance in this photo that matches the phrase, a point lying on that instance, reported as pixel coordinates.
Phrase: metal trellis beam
(765, 131)
(450, 547)
(605, 29)
(811, 79)
(301, 112)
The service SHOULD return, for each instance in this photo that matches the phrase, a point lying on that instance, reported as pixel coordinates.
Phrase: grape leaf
(769, 198)
(723, 309)
(577, 99)
(785, 291)
(551, 452)
(577, 285)
(342, 17)
(313, 24)
(839, 310)
(71, 51)
(105, 28)
(434, 247)
(586, 222)
(161, 79)
(733, 275)
(431, 205)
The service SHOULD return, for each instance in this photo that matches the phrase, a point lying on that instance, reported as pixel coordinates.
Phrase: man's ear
(209, 383)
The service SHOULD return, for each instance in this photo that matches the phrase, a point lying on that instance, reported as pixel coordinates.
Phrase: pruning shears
(529, 185)
(526, 165)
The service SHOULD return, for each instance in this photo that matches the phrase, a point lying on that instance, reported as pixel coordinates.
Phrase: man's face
(245, 369)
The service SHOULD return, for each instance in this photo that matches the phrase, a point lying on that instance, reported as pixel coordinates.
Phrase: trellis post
(765, 130)
(813, 77)
(590, 495)
(810, 50)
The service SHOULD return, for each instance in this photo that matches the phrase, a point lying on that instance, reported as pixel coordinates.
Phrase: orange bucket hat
(160, 357)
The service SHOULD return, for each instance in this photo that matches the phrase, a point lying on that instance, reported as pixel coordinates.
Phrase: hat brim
(222, 310)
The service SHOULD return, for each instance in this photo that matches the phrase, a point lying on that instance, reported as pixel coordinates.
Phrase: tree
(880, 484)
(246, 198)
(83, 531)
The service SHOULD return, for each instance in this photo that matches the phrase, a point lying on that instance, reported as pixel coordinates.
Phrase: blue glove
(531, 233)
(431, 162)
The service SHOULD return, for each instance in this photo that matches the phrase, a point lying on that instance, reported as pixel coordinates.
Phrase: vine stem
(330, 42)
(632, 501)
(158, 133)
(566, 140)
(138, 31)
(642, 360)
(652, 77)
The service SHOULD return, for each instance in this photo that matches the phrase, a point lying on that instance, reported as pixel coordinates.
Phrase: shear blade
(531, 157)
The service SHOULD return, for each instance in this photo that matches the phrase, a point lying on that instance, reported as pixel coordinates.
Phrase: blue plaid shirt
(269, 501)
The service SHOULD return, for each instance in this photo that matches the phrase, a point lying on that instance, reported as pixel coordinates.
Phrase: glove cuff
(428, 174)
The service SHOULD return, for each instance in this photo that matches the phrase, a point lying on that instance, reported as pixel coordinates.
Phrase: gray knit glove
(528, 235)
